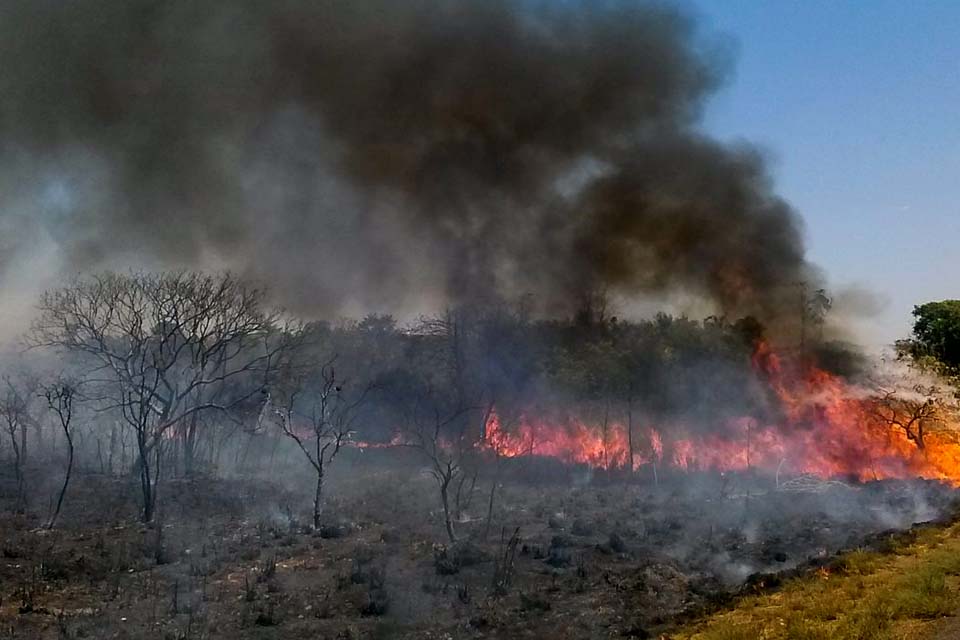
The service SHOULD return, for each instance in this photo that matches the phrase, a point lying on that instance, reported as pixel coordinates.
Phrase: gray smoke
(384, 154)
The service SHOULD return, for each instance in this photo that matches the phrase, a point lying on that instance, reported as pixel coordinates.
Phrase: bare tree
(15, 399)
(913, 412)
(60, 396)
(320, 417)
(160, 348)
(441, 411)
(446, 436)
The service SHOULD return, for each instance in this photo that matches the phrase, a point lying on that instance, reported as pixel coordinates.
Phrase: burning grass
(813, 422)
(903, 594)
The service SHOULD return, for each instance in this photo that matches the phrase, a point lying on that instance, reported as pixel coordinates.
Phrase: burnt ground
(596, 557)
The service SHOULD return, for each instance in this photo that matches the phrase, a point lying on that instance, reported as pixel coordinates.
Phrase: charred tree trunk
(123, 446)
(113, 448)
(146, 481)
(919, 439)
(445, 500)
(493, 492)
(190, 445)
(20, 502)
(100, 462)
(23, 444)
(318, 497)
(66, 479)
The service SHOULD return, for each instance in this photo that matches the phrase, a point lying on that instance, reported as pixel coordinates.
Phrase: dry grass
(900, 595)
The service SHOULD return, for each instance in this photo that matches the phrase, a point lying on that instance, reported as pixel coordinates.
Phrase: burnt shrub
(249, 554)
(333, 531)
(445, 561)
(249, 589)
(11, 553)
(267, 617)
(469, 554)
(581, 528)
(479, 623)
(361, 572)
(558, 558)
(378, 600)
(53, 568)
(581, 566)
(534, 603)
(449, 560)
(390, 536)
(616, 543)
(267, 569)
(561, 541)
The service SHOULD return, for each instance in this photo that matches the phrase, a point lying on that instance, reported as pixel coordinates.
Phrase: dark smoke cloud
(384, 154)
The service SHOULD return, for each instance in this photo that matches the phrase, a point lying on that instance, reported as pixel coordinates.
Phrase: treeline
(168, 374)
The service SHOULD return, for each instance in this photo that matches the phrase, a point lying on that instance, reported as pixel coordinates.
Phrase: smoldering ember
(441, 319)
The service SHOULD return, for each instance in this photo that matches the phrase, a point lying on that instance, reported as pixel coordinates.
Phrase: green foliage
(936, 334)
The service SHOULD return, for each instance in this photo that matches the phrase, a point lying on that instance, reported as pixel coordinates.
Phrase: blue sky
(858, 105)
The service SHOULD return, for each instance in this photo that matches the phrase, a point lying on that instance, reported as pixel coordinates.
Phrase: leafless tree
(441, 414)
(446, 436)
(160, 348)
(320, 419)
(60, 400)
(15, 401)
(914, 412)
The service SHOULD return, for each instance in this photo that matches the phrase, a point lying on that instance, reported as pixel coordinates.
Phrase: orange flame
(824, 428)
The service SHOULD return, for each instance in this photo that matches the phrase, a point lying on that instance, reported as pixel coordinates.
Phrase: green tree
(936, 334)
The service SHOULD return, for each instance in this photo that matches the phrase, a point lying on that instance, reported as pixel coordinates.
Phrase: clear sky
(858, 105)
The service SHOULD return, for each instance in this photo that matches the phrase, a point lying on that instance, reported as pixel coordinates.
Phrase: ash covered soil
(569, 552)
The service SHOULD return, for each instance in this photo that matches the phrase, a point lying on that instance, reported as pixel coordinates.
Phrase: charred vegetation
(215, 468)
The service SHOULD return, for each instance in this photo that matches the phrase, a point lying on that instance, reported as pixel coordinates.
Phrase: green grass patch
(864, 595)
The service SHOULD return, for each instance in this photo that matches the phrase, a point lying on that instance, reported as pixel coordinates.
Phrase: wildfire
(825, 427)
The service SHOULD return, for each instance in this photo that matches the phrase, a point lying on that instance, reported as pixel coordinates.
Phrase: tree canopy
(936, 334)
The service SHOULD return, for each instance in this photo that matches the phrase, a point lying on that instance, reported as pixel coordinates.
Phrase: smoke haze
(384, 155)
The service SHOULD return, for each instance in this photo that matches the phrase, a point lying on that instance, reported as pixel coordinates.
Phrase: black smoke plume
(385, 154)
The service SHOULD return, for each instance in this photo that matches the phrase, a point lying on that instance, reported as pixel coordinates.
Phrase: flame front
(825, 427)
